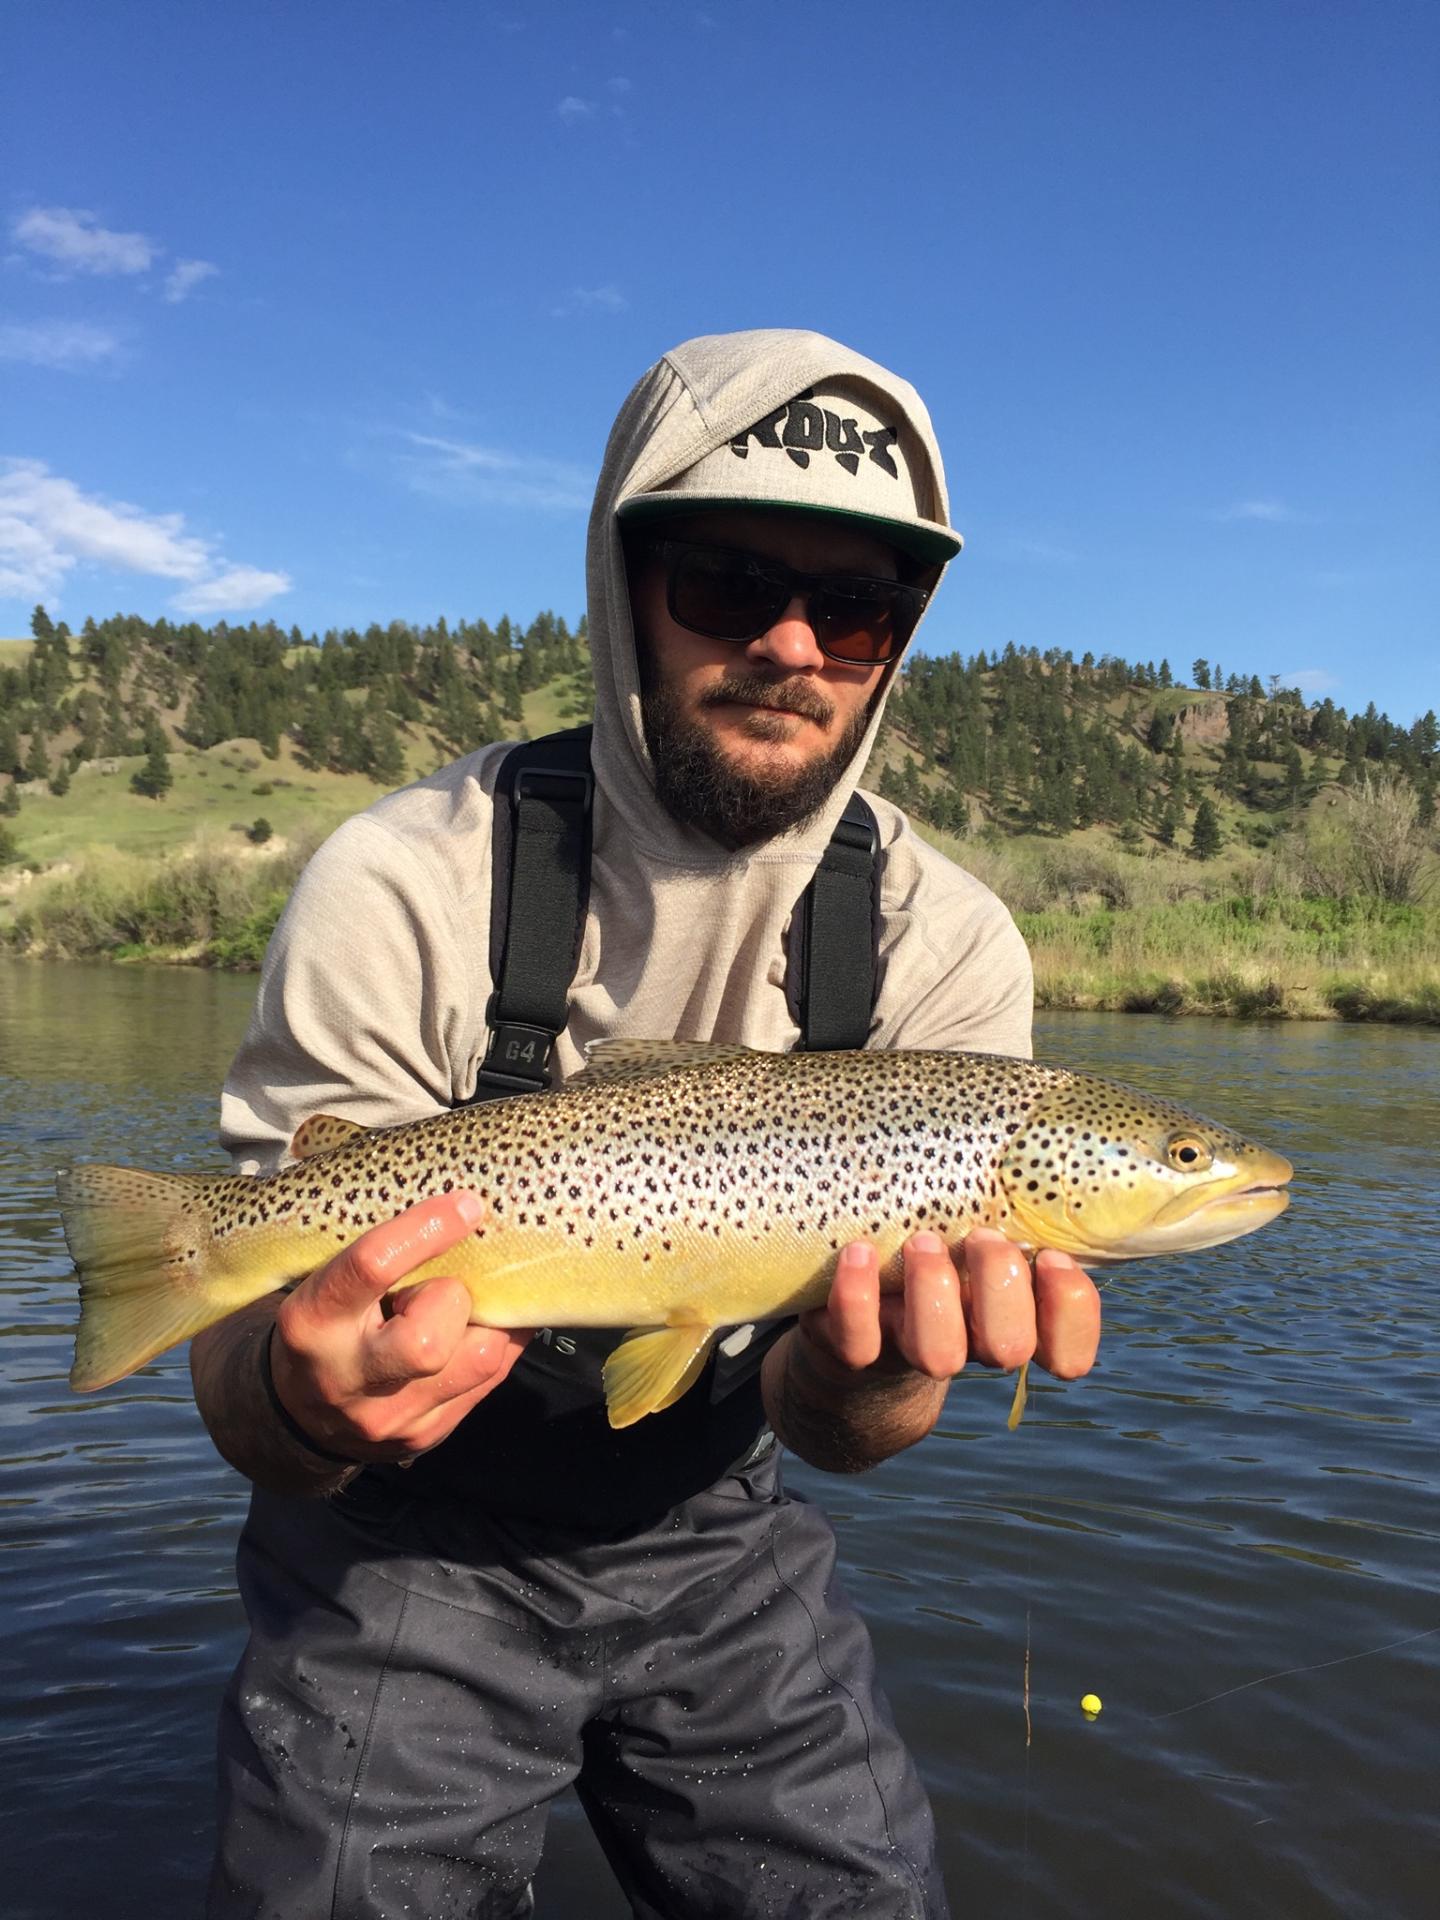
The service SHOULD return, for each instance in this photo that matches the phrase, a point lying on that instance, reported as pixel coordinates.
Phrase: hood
(691, 403)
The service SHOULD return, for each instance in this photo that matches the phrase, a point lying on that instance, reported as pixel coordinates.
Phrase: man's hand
(991, 1313)
(376, 1387)
(865, 1375)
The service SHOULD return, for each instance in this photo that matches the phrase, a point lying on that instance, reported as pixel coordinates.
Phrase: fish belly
(527, 1279)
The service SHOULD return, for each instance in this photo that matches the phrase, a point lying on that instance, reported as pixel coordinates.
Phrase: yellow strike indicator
(1090, 1705)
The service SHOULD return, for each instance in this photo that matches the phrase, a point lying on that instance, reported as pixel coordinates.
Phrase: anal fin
(651, 1368)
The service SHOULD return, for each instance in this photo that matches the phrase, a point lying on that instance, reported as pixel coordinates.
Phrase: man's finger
(1001, 1302)
(852, 1313)
(481, 1361)
(1067, 1310)
(419, 1339)
(501, 1351)
(356, 1278)
(932, 1334)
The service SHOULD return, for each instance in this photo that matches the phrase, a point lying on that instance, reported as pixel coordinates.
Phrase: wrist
(845, 1419)
(282, 1413)
(240, 1415)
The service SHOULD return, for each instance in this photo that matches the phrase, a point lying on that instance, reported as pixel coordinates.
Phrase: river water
(1230, 1532)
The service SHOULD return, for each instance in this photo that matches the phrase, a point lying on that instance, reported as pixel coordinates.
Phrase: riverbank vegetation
(1221, 846)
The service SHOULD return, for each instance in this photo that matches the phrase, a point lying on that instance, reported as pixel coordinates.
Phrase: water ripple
(1228, 1531)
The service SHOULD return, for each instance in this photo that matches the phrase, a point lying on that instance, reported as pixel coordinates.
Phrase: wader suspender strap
(540, 884)
(838, 928)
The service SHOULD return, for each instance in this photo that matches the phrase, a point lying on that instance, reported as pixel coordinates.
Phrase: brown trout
(674, 1190)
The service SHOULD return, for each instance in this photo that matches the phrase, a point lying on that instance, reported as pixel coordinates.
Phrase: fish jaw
(1208, 1217)
(1225, 1217)
(1198, 1216)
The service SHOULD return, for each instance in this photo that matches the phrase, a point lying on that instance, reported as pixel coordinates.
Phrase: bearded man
(464, 1590)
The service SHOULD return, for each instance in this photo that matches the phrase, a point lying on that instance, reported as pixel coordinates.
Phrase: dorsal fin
(639, 1059)
(321, 1132)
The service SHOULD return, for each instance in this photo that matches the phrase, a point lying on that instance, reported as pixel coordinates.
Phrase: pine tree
(154, 779)
(1200, 674)
(1294, 776)
(1205, 838)
(387, 755)
(37, 760)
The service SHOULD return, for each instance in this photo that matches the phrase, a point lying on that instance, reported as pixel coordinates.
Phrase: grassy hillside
(1080, 792)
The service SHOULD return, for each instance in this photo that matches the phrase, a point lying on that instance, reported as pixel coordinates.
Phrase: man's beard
(698, 786)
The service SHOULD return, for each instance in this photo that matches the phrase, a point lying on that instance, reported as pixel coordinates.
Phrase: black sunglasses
(728, 594)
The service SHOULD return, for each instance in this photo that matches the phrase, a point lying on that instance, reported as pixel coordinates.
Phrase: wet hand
(993, 1308)
(373, 1385)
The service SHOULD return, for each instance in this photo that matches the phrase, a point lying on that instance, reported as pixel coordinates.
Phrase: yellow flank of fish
(674, 1189)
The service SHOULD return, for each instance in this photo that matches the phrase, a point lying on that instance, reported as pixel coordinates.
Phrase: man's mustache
(782, 696)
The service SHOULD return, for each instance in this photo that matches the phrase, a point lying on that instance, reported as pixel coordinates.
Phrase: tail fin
(139, 1242)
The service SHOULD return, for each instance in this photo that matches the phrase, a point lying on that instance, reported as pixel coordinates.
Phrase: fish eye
(1188, 1152)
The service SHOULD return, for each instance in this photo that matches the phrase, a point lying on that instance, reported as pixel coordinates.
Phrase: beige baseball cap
(825, 451)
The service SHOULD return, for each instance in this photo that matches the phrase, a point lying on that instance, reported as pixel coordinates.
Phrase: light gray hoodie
(372, 1000)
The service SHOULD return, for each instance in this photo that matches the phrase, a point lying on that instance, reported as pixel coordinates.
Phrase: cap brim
(923, 540)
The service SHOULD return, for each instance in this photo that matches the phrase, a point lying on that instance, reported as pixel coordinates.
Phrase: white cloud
(1272, 512)
(234, 591)
(618, 85)
(572, 107)
(1310, 680)
(48, 527)
(185, 276)
(75, 242)
(1050, 553)
(65, 344)
(466, 474)
(606, 299)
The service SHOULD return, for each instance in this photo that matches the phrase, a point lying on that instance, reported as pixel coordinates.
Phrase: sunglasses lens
(724, 595)
(859, 620)
(737, 596)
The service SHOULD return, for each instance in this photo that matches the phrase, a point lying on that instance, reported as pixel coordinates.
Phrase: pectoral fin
(1022, 1394)
(650, 1369)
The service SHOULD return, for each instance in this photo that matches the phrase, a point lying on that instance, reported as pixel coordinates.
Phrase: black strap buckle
(858, 834)
(518, 1057)
(556, 784)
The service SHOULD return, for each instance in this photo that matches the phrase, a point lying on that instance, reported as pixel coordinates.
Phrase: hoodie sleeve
(954, 972)
(364, 1006)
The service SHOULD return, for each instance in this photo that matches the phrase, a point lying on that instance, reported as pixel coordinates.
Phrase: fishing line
(1026, 1883)
(1286, 1673)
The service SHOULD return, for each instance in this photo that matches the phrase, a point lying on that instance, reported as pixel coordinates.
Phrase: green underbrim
(930, 544)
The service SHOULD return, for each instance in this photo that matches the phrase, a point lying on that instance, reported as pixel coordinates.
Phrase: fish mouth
(1189, 1222)
(1259, 1188)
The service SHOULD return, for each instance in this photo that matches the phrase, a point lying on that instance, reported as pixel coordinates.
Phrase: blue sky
(324, 311)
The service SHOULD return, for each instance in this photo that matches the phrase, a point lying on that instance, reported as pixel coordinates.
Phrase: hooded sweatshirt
(373, 996)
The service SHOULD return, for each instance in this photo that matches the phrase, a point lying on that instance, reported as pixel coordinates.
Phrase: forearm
(842, 1419)
(225, 1366)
